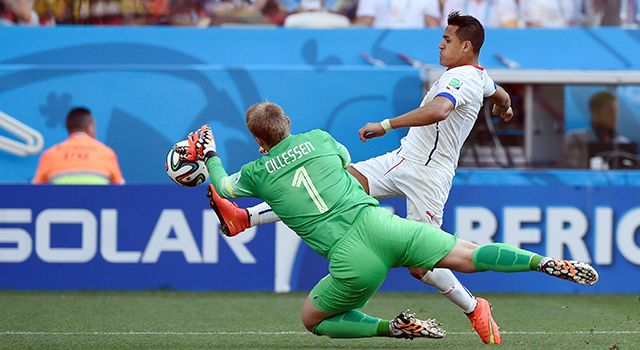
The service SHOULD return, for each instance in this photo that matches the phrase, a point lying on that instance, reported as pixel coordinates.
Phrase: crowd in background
(376, 13)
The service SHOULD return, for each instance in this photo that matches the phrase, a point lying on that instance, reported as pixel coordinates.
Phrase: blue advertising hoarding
(165, 236)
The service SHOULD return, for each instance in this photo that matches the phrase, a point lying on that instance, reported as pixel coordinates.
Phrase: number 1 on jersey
(302, 177)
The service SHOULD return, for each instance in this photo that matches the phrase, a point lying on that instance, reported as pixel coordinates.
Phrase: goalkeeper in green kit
(303, 178)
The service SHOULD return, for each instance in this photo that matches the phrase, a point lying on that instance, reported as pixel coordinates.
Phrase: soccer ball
(185, 173)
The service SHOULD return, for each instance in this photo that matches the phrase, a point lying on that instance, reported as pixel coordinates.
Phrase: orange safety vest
(80, 160)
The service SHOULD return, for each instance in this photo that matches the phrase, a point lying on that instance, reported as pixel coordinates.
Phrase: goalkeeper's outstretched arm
(225, 185)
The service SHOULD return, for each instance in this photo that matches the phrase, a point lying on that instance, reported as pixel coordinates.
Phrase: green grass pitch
(259, 320)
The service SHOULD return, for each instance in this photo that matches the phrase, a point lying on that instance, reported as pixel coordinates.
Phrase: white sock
(449, 286)
(262, 214)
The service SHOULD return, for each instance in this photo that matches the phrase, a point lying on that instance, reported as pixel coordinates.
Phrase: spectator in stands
(398, 14)
(630, 14)
(240, 11)
(296, 6)
(18, 12)
(491, 13)
(106, 12)
(185, 12)
(158, 11)
(548, 14)
(317, 13)
(602, 12)
(81, 159)
(133, 12)
(79, 10)
(604, 119)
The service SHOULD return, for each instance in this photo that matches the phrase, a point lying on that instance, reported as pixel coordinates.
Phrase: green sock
(352, 324)
(504, 258)
(533, 264)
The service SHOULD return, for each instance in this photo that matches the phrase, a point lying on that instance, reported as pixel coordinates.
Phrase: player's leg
(234, 220)
(347, 324)
(330, 307)
(427, 191)
(356, 324)
(261, 214)
(429, 243)
(469, 257)
(478, 310)
(372, 175)
(360, 177)
(311, 316)
(356, 273)
(391, 176)
(448, 285)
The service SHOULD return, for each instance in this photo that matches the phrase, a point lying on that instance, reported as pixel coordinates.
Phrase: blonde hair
(268, 122)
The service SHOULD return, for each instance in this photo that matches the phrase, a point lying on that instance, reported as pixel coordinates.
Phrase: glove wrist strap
(210, 154)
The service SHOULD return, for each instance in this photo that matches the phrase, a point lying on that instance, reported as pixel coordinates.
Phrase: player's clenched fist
(370, 131)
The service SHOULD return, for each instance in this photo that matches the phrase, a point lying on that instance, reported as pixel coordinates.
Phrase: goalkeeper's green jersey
(304, 181)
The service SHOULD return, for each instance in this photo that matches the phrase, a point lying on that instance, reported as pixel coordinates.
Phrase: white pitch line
(284, 333)
(568, 333)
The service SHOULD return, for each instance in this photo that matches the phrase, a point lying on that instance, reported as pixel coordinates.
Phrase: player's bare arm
(433, 112)
(502, 104)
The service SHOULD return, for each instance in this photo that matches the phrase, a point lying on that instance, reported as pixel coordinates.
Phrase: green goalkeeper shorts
(360, 261)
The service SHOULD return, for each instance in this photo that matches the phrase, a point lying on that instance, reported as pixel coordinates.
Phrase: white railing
(33, 140)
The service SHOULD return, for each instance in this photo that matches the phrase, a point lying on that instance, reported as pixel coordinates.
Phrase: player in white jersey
(430, 148)
(422, 169)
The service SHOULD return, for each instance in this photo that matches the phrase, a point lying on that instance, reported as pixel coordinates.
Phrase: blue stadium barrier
(136, 237)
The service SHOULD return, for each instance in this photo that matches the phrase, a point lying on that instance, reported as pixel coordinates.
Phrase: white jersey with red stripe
(438, 145)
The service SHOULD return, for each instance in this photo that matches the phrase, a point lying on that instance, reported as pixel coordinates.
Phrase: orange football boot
(233, 220)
